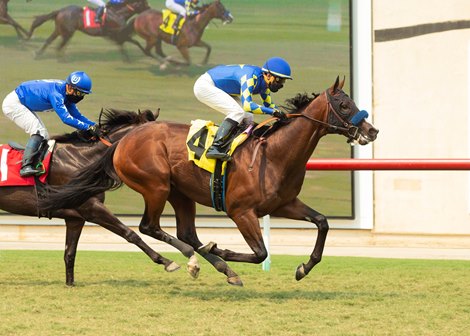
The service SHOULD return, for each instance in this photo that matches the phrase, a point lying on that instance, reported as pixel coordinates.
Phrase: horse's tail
(94, 179)
(39, 20)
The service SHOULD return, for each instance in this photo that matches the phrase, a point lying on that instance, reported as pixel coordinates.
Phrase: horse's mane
(299, 102)
(110, 120)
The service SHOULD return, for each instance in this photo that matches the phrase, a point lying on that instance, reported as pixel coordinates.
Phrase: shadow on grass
(286, 295)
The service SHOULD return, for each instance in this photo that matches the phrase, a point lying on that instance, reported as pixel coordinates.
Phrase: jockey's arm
(267, 101)
(246, 97)
(68, 117)
(190, 8)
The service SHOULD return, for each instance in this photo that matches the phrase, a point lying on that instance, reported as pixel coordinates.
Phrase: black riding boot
(99, 14)
(175, 27)
(223, 133)
(29, 155)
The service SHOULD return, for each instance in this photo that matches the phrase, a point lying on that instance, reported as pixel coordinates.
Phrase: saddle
(200, 137)
(11, 157)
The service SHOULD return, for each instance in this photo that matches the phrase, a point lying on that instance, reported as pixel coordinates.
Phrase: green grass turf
(124, 293)
(293, 29)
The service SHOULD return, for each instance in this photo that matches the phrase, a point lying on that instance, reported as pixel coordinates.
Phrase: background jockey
(22, 104)
(101, 5)
(219, 86)
(182, 8)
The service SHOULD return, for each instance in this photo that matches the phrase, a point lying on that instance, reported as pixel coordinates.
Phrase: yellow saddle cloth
(168, 20)
(200, 137)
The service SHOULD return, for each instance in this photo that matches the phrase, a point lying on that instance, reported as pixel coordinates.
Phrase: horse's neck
(297, 141)
(201, 21)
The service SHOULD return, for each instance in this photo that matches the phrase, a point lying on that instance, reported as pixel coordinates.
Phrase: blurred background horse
(147, 26)
(70, 19)
(5, 18)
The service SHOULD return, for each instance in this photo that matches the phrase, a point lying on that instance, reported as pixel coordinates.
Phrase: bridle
(348, 128)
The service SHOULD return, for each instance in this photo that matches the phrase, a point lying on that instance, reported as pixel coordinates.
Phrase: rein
(348, 128)
(106, 142)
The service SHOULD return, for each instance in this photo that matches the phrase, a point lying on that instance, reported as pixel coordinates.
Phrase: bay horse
(153, 161)
(70, 19)
(5, 18)
(72, 153)
(147, 24)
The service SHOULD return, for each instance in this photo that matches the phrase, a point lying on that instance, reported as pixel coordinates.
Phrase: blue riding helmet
(278, 67)
(79, 81)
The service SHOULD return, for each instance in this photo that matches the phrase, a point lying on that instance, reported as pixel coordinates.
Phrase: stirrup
(218, 155)
(29, 171)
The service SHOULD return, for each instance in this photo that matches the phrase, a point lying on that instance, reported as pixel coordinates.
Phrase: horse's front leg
(73, 231)
(248, 225)
(298, 210)
(208, 48)
(185, 53)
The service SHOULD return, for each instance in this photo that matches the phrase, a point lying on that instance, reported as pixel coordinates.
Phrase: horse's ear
(341, 84)
(335, 86)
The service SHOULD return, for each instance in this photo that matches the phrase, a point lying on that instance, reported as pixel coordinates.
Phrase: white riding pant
(206, 92)
(22, 116)
(175, 8)
(99, 3)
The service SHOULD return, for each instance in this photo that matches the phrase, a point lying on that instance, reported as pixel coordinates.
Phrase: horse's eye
(343, 106)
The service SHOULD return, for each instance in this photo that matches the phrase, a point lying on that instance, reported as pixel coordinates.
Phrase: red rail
(388, 164)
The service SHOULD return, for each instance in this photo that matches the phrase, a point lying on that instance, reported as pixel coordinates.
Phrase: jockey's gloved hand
(94, 132)
(280, 115)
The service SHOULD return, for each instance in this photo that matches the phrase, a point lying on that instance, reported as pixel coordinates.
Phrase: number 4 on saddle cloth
(200, 137)
(168, 20)
(10, 165)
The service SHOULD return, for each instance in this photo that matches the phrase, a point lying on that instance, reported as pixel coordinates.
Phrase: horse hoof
(300, 272)
(206, 248)
(171, 267)
(163, 66)
(235, 281)
(70, 284)
(193, 267)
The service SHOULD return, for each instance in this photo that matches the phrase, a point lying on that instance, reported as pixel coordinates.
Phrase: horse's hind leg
(20, 31)
(95, 211)
(298, 210)
(185, 212)
(49, 40)
(73, 230)
(150, 225)
(65, 39)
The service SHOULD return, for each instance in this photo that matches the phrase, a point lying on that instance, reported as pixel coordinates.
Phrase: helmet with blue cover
(278, 67)
(80, 81)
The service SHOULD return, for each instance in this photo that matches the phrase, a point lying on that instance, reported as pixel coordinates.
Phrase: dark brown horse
(70, 19)
(147, 26)
(72, 154)
(5, 18)
(154, 162)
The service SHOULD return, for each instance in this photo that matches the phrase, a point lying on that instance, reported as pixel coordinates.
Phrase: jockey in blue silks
(230, 88)
(23, 105)
(182, 8)
(102, 5)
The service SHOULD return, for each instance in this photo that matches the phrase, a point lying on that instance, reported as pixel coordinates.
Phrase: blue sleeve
(74, 112)
(68, 116)
(246, 96)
